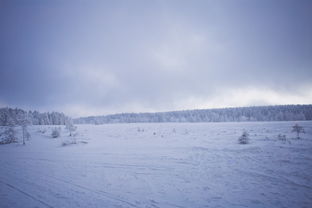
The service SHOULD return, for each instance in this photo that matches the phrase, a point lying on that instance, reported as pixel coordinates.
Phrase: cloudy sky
(102, 57)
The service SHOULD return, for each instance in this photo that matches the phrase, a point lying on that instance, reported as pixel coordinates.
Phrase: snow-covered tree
(16, 117)
(70, 127)
(8, 136)
(244, 138)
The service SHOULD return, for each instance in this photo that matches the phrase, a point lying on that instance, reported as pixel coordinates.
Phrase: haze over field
(101, 57)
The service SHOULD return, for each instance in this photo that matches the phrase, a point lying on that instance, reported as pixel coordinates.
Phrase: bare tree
(298, 129)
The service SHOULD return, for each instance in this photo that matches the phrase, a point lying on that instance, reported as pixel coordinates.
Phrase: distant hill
(257, 113)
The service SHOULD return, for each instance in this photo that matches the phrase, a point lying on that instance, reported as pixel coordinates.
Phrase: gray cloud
(107, 57)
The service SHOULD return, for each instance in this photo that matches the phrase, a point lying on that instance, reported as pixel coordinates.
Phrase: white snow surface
(160, 165)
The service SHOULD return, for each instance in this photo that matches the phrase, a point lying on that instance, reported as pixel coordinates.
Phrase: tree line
(15, 116)
(257, 113)
(19, 117)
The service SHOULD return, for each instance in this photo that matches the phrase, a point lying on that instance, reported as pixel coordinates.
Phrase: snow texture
(160, 165)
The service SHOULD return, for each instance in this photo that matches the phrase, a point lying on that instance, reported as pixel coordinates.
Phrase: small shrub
(71, 142)
(244, 138)
(140, 130)
(42, 131)
(55, 133)
(66, 143)
(282, 137)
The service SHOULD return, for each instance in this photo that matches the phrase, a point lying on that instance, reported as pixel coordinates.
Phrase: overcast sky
(102, 57)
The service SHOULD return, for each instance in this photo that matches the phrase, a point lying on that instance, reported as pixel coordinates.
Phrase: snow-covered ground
(160, 165)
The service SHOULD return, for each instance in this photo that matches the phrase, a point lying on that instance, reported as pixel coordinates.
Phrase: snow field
(160, 165)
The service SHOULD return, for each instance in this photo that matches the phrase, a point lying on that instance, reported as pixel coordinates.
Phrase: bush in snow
(70, 142)
(140, 130)
(42, 131)
(282, 137)
(66, 143)
(8, 136)
(298, 129)
(56, 133)
(244, 138)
